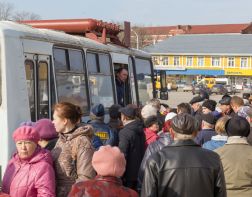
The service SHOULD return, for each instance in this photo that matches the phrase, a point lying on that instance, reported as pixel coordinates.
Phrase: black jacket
(184, 169)
(163, 140)
(131, 143)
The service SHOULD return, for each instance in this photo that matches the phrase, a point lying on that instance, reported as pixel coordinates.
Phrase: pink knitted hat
(109, 161)
(45, 129)
(26, 133)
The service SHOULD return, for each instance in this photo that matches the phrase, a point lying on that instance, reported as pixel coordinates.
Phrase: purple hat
(46, 129)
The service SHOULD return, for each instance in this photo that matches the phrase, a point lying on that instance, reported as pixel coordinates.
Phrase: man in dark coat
(131, 143)
(121, 78)
(207, 125)
(184, 168)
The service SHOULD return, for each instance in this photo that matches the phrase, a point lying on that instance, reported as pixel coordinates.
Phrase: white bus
(40, 67)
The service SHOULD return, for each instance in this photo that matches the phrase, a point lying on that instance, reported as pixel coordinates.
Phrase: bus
(45, 62)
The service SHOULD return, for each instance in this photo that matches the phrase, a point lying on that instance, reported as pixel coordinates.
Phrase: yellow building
(192, 56)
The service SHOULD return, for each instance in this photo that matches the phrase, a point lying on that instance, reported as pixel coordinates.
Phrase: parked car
(247, 89)
(199, 88)
(230, 89)
(219, 89)
(187, 88)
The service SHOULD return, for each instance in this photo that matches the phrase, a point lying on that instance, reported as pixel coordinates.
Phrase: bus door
(37, 69)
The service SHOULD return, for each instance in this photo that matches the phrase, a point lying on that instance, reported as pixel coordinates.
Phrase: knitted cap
(26, 133)
(209, 104)
(46, 129)
(98, 110)
(109, 161)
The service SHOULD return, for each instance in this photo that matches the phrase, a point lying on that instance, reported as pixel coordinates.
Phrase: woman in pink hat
(30, 170)
(109, 163)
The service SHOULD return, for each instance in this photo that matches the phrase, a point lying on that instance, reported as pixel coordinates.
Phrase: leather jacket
(184, 169)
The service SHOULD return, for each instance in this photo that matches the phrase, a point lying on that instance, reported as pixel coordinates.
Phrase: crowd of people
(200, 148)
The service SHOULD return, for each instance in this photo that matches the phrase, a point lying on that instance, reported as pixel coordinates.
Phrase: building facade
(190, 57)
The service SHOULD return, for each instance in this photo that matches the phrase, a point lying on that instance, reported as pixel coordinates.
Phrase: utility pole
(137, 39)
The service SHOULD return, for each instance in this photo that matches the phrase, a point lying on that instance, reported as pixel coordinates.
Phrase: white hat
(169, 116)
(148, 110)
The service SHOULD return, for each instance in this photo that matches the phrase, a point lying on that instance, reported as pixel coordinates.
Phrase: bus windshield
(144, 80)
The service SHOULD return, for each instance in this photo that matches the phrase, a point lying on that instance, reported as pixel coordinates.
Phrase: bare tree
(23, 15)
(142, 37)
(6, 10)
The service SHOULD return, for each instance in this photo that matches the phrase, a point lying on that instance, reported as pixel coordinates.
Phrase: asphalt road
(176, 98)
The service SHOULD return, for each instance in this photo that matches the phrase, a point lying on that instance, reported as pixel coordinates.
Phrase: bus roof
(14, 29)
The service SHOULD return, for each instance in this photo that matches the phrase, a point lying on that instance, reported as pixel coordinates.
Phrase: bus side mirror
(163, 88)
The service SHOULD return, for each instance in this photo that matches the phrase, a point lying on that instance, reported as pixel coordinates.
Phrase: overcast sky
(143, 12)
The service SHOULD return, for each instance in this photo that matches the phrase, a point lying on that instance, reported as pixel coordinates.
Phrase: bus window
(29, 70)
(76, 60)
(144, 80)
(60, 60)
(43, 90)
(100, 79)
(104, 62)
(70, 79)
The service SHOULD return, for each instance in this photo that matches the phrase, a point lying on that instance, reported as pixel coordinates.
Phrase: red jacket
(102, 187)
(150, 136)
(32, 177)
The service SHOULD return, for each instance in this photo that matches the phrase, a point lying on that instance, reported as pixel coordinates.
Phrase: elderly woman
(30, 170)
(73, 151)
(109, 163)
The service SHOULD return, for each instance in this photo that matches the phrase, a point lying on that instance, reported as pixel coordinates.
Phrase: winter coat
(150, 136)
(184, 169)
(236, 159)
(72, 156)
(216, 141)
(204, 135)
(103, 187)
(103, 131)
(31, 177)
(131, 143)
(4, 195)
(163, 140)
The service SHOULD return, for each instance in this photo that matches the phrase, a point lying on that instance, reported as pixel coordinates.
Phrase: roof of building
(237, 44)
(197, 29)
